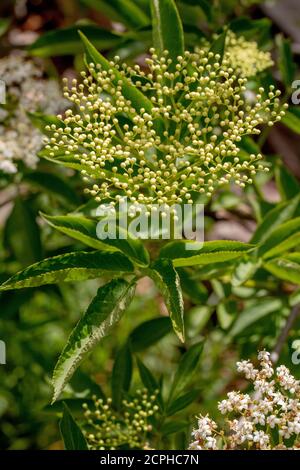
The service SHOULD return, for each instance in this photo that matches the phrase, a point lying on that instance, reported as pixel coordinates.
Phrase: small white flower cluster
(185, 143)
(270, 419)
(243, 56)
(26, 92)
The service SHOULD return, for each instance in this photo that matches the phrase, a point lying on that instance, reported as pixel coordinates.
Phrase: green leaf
(257, 30)
(292, 119)
(4, 25)
(286, 236)
(218, 46)
(168, 282)
(85, 230)
(288, 185)
(123, 11)
(173, 427)
(190, 253)
(22, 233)
(54, 184)
(121, 375)
(103, 313)
(253, 313)
(149, 333)
(74, 405)
(275, 217)
(287, 269)
(167, 29)
(285, 60)
(192, 288)
(75, 266)
(71, 433)
(67, 161)
(226, 313)
(246, 267)
(182, 402)
(130, 92)
(146, 377)
(186, 368)
(82, 384)
(66, 41)
(41, 120)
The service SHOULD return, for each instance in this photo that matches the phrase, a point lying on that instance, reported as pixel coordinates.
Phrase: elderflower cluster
(107, 429)
(243, 56)
(267, 420)
(182, 141)
(26, 91)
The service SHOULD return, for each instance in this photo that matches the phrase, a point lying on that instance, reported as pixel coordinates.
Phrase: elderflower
(243, 56)
(267, 420)
(27, 92)
(181, 142)
(106, 429)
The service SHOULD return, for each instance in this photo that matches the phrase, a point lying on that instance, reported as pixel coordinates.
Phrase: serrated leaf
(275, 217)
(71, 433)
(167, 29)
(66, 41)
(121, 375)
(168, 282)
(186, 368)
(283, 237)
(75, 266)
(287, 269)
(85, 230)
(182, 254)
(104, 312)
(149, 333)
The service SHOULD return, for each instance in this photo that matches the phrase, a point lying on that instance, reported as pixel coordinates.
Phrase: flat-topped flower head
(266, 419)
(184, 144)
(26, 91)
(245, 57)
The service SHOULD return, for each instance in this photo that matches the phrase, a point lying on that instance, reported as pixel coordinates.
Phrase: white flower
(270, 407)
(262, 439)
(7, 167)
(273, 421)
(287, 381)
(28, 91)
(247, 368)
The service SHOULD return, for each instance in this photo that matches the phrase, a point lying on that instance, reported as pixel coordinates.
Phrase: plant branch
(295, 312)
